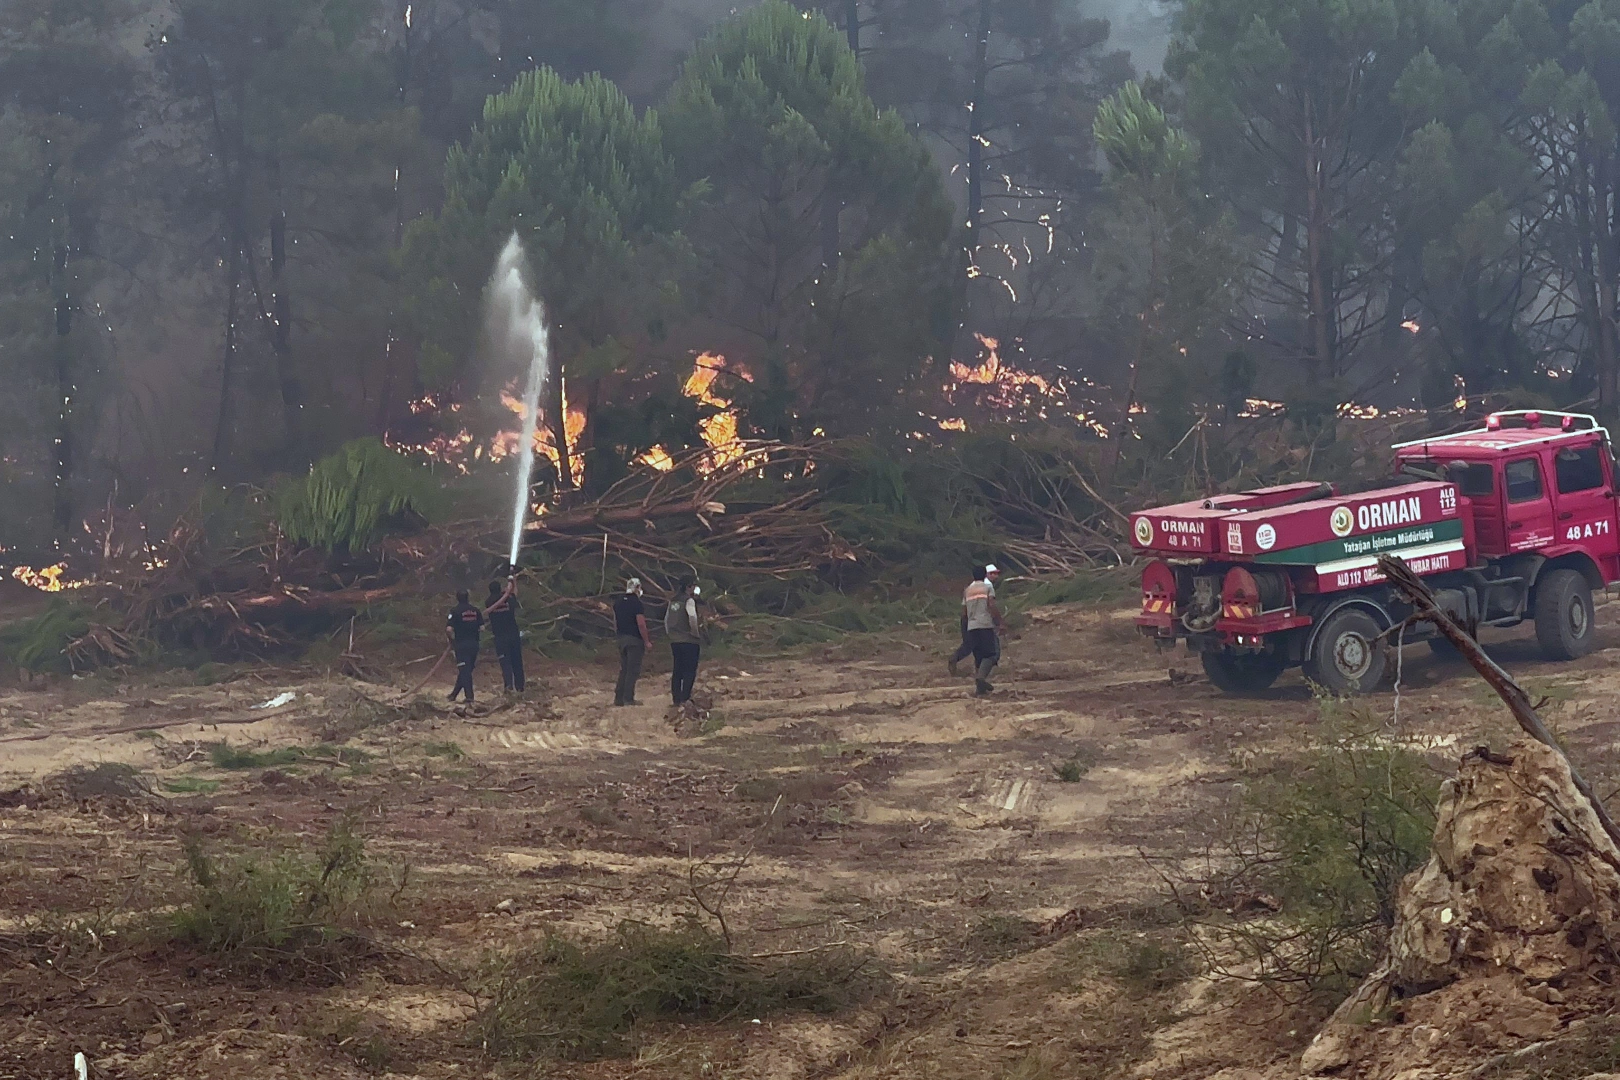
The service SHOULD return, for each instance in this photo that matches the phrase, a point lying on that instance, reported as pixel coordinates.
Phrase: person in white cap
(630, 626)
(983, 623)
(992, 574)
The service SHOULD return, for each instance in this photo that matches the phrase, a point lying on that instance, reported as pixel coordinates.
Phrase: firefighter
(502, 609)
(463, 628)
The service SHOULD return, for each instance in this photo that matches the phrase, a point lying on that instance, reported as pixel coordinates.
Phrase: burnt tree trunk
(227, 366)
(62, 493)
(976, 140)
(1319, 301)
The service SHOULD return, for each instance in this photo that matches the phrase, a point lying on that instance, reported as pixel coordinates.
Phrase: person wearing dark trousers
(684, 630)
(992, 574)
(983, 623)
(502, 610)
(630, 625)
(462, 628)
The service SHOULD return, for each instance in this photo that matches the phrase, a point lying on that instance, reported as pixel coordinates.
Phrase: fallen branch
(1512, 694)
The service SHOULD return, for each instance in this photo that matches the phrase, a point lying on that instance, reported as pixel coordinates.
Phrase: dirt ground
(877, 803)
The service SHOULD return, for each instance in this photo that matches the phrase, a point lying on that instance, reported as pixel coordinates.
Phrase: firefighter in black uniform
(463, 627)
(502, 610)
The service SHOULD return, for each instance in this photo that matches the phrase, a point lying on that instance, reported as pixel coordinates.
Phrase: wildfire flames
(46, 578)
(1007, 385)
(505, 444)
(719, 431)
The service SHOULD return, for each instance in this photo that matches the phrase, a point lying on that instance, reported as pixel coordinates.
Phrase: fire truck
(1510, 521)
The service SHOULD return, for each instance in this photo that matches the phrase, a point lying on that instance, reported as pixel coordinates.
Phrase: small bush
(566, 1000)
(1325, 840)
(1148, 965)
(40, 643)
(350, 499)
(190, 785)
(1074, 768)
(226, 756)
(294, 915)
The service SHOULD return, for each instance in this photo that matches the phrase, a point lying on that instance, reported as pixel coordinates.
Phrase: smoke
(516, 324)
(1139, 27)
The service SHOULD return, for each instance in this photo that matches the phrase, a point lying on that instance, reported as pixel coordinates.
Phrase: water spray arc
(518, 319)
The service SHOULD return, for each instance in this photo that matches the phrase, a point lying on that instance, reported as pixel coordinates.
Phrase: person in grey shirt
(682, 626)
(983, 619)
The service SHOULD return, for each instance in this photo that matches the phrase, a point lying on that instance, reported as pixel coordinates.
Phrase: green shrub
(40, 643)
(567, 1000)
(1325, 839)
(350, 499)
(294, 914)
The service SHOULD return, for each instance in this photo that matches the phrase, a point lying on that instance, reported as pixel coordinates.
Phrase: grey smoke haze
(1140, 27)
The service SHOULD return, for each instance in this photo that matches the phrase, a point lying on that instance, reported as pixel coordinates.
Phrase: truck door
(1477, 482)
(1585, 504)
(1528, 505)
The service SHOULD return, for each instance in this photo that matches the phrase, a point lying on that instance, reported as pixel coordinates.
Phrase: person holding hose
(502, 609)
(684, 630)
(630, 625)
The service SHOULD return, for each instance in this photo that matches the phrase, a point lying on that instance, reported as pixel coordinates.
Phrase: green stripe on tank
(1371, 544)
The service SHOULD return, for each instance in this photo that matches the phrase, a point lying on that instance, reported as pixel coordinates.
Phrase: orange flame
(46, 578)
(505, 444)
(719, 431)
(1005, 384)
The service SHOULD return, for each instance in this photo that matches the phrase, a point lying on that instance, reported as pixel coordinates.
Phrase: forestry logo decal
(1144, 531)
(1266, 537)
(1342, 521)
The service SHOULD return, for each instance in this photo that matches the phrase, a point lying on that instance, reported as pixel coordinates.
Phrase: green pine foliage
(351, 499)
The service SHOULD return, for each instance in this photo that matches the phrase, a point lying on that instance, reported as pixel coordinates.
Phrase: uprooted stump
(1497, 939)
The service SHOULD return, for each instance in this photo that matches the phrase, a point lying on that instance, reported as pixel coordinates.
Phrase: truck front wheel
(1565, 625)
(1242, 673)
(1349, 655)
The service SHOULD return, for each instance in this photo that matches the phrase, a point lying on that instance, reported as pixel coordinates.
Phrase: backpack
(675, 620)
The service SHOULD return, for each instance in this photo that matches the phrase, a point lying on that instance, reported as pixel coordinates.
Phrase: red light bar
(1532, 419)
(1493, 423)
(1568, 423)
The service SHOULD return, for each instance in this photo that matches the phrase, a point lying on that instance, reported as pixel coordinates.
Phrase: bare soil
(878, 802)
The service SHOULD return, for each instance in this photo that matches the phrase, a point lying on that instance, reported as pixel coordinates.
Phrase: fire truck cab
(1514, 520)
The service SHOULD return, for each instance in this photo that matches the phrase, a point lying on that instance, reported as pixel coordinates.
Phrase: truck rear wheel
(1349, 654)
(1565, 627)
(1242, 673)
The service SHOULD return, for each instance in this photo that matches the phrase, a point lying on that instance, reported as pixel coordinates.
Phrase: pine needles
(350, 499)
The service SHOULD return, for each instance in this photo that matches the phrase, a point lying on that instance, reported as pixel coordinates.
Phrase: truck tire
(1348, 656)
(1242, 673)
(1565, 625)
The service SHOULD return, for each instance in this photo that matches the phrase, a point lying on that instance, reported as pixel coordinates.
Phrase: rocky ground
(995, 856)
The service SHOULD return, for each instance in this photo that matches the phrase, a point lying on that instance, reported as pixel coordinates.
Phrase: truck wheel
(1242, 673)
(1349, 656)
(1565, 625)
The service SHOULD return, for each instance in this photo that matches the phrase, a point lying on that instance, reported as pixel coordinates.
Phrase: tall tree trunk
(1318, 303)
(62, 494)
(1608, 279)
(559, 427)
(280, 311)
(975, 147)
(227, 367)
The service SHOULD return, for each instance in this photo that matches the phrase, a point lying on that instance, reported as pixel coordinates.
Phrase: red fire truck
(1511, 521)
